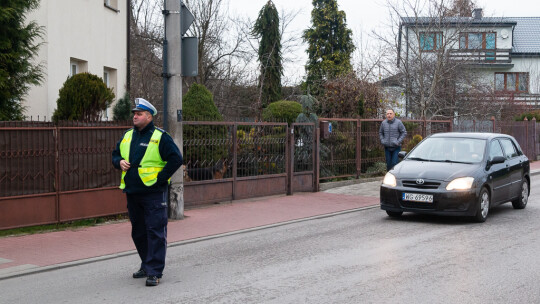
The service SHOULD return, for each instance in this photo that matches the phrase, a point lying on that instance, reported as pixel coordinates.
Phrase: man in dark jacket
(391, 133)
(148, 157)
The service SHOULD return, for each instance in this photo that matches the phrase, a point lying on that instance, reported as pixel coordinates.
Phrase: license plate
(417, 197)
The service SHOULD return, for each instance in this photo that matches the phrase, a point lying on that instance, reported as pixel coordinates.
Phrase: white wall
(81, 29)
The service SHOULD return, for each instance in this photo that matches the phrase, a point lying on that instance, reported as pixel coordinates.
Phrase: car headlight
(462, 183)
(389, 180)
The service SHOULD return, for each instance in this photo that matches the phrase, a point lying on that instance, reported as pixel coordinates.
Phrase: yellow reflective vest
(151, 163)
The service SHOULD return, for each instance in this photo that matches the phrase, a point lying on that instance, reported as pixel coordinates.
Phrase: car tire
(394, 213)
(482, 209)
(523, 199)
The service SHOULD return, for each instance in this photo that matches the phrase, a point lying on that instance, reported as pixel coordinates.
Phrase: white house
(80, 36)
(503, 51)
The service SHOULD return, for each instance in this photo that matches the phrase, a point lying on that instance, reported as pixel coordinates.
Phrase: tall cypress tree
(329, 44)
(266, 28)
(18, 47)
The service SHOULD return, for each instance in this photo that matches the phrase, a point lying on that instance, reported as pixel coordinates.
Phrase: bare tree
(425, 41)
(146, 45)
(223, 56)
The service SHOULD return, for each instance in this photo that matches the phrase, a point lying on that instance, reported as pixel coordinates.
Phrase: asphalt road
(360, 257)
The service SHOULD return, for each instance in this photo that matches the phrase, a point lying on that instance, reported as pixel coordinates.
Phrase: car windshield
(449, 149)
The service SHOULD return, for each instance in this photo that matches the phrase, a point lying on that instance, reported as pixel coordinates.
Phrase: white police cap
(142, 104)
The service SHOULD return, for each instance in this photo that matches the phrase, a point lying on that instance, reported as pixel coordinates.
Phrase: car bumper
(457, 203)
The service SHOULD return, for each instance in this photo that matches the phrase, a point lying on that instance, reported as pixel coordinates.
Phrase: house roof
(526, 35)
(454, 21)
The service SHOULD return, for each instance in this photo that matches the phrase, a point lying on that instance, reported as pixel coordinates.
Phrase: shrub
(83, 96)
(410, 126)
(378, 168)
(282, 110)
(530, 116)
(308, 109)
(198, 104)
(122, 108)
(414, 141)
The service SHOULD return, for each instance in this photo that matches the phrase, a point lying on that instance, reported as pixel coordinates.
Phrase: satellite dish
(504, 34)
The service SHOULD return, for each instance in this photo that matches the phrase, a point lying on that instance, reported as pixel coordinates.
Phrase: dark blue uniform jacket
(167, 149)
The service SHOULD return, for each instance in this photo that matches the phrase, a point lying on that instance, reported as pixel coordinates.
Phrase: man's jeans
(391, 157)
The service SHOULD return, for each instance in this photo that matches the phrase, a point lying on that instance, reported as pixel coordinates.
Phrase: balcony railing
(488, 56)
(525, 99)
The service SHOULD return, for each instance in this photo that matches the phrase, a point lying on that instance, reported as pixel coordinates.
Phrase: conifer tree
(18, 47)
(266, 28)
(329, 45)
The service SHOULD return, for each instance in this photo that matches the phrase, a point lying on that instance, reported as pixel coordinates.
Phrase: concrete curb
(330, 185)
(38, 269)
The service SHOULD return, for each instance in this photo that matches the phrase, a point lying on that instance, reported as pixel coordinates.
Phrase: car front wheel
(483, 206)
(521, 201)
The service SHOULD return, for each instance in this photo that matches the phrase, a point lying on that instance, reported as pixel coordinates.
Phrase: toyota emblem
(420, 181)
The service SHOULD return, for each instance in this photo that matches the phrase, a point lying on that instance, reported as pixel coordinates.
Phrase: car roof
(475, 135)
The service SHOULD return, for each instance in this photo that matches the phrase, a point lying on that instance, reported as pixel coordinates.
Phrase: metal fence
(53, 173)
(525, 132)
(353, 148)
(234, 160)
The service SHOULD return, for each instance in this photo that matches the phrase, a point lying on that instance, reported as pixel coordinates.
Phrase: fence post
(318, 157)
(358, 148)
(534, 139)
(290, 163)
(493, 124)
(57, 172)
(424, 128)
(315, 158)
(527, 146)
(235, 159)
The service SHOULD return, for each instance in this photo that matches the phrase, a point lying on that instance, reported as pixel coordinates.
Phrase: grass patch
(63, 226)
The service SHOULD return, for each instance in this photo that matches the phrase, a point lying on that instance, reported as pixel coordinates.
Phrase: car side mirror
(402, 154)
(497, 160)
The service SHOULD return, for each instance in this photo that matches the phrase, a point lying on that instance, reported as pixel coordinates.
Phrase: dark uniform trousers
(148, 216)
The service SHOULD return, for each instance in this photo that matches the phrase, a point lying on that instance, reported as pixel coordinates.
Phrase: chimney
(477, 14)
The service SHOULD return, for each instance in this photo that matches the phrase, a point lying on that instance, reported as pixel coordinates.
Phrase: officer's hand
(124, 165)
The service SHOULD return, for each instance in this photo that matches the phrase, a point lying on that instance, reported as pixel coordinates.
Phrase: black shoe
(152, 281)
(139, 274)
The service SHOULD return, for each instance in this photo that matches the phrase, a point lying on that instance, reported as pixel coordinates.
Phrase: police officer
(148, 157)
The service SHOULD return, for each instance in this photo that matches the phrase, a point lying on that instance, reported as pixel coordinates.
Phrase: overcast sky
(363, 16)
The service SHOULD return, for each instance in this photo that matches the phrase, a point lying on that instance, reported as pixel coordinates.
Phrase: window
(109, 78)
(74, 69)
(77, 66)
(106, 78)
(495, 149)
(112, 4)
(430, 41)
(474, 41)
(523, 82)
(509, 148)
(512, 82)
